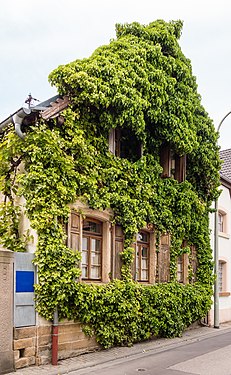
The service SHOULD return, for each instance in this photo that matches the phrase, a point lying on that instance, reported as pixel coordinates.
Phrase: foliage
(143, 83)
(121, 312)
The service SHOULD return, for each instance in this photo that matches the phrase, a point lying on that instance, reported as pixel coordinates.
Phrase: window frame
(222, 278)
(222, 218)
(182, 274)
(91, 235)
(119, 142)
(174, 166)
(139, 257)
(81, 211)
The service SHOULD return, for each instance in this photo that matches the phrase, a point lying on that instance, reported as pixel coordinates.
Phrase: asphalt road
(205, 356)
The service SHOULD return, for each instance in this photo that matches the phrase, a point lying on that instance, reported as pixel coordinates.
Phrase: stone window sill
(224, 294)
(224, 235)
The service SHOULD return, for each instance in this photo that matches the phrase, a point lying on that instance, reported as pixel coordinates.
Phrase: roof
(48, 109)
(225, 156)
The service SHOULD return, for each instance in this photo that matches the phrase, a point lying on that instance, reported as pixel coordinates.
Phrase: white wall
(224, 249)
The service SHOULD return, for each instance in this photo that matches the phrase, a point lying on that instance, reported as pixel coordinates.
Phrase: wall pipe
(55, 335)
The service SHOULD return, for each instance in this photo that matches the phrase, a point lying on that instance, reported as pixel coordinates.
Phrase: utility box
(24, 309)
(6, 311)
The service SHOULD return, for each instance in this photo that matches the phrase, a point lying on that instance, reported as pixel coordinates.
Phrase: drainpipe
(55, 332)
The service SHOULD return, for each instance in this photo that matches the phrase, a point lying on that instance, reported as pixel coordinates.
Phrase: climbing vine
(140, 82)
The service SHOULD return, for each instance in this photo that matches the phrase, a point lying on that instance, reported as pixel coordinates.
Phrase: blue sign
(24, 281)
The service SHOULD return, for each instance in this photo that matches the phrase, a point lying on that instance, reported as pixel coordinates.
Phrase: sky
(37, 37)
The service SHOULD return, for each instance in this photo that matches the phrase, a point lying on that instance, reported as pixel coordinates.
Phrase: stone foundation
(32, 345)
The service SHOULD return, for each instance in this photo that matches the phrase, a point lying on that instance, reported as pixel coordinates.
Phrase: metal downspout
(55, 334)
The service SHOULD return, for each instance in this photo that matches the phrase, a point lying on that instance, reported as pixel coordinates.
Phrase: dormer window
(123, 143)
(173, 165)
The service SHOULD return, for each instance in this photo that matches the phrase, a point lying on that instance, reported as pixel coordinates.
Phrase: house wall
(32, 345)
(224, 248)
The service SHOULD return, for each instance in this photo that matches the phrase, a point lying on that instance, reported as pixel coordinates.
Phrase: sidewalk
(91, 359)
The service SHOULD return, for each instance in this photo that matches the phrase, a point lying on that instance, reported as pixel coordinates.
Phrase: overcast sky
(36, 37)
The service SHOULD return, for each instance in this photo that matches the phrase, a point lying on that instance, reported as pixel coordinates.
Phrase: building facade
(224, 239)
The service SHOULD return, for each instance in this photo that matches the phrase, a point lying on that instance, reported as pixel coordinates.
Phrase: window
(124, 144)
(221, 272)
(91, 249)
(173, 165)
(142, 256)
(180, 269)
(89, 234)
(183, 264)
(222, 279)
(221, 221)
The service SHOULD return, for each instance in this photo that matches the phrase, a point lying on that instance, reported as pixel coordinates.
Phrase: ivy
(141, 82)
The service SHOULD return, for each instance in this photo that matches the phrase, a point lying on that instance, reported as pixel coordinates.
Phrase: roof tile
(225, 156)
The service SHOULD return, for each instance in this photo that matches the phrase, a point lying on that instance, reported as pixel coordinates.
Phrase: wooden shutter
(73, 231)
(193, 263)
(180, 169)
(118, 142)
(118, 248)
(165, 161)
(163, 260)
(111, 141)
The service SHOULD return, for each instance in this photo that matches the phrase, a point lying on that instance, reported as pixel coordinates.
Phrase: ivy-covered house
(116, 176)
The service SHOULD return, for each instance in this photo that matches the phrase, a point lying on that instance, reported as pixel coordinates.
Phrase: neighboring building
(224, 239)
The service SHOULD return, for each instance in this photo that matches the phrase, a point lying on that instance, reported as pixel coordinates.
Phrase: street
(205, 356)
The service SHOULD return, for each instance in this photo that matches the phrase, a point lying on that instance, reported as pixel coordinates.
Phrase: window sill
(224, 235)
(224, 294)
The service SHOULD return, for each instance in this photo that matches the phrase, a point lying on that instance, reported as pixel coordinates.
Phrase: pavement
(83, 361)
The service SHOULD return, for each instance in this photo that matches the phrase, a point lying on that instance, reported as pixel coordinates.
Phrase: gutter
(50, 108)
(16, 119)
